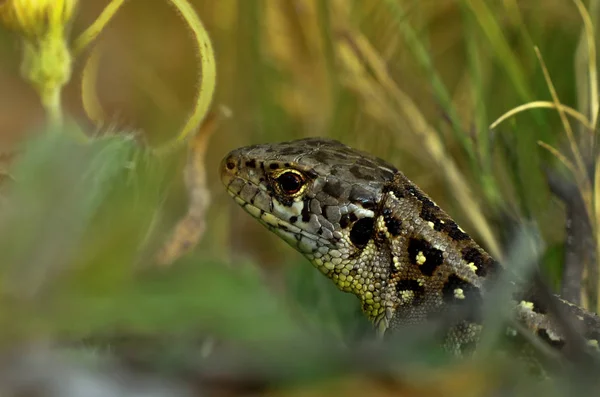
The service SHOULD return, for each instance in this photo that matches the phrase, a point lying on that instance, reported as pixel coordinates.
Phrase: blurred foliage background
(415, 82)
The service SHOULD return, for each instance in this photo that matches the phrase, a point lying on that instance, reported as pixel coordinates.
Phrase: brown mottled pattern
(375, 234)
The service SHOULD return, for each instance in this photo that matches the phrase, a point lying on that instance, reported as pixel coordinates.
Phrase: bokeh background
(415, 82)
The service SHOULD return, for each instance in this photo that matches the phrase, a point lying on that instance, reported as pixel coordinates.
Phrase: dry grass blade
(419, 125)
(190, 228)
(592, 66)
(543, 105)
(422, 55)
(359, 80)
(561, 157)
(580, 173)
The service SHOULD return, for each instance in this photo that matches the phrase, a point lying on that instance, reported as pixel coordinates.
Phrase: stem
(96, 27)
(207, 73)
(50, 98)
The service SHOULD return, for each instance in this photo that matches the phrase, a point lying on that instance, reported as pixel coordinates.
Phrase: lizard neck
(433, 262)
(436, 265)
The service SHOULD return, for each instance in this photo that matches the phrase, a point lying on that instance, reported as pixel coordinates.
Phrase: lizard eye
(290, 182)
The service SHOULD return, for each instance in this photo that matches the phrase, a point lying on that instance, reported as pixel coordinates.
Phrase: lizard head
(321, 197)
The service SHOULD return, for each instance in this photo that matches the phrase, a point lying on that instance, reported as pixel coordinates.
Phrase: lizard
(377, 235)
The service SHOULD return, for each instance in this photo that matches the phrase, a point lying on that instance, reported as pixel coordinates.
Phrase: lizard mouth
(291, 233)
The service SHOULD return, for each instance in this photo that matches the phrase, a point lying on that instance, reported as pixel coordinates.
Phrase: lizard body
(375, 234)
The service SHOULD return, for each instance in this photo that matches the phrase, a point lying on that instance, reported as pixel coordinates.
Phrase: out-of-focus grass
(73, 229)
(418, 83)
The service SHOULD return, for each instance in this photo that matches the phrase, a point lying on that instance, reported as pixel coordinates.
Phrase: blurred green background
(398, 78)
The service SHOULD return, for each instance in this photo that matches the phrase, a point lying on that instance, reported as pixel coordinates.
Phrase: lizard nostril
(228, 169)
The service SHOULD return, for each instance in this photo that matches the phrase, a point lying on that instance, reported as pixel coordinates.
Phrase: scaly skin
(375, 234)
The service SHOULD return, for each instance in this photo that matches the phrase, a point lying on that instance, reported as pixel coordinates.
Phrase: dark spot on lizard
(293, 219)
(438, 225)
(411, 285)
(392, 187)
(333, 188)
(531, 295)
(454, 231)
(386, 174)
(322, 157)
(291, 151)
(273, 166)
(364, 163)
(470, 293)
(484, 263)
(369, 204)
(359, 173)
(472, 254)
(412, 189)
(428, 210)
(393, 225)
(433, 256)
(361, 195)
(543, 334)
(251, 163)
(305, 211)
(361, 232)
(284, 227)
(311, 173)
(381, 239)
(345, 221)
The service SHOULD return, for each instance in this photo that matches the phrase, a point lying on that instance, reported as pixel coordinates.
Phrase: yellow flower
(46, 62)
(34, 18)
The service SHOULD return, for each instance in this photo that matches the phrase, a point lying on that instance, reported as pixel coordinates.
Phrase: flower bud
(46, 63)
(35, 18)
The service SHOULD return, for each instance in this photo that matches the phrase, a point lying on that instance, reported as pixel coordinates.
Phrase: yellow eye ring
(289, 182)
